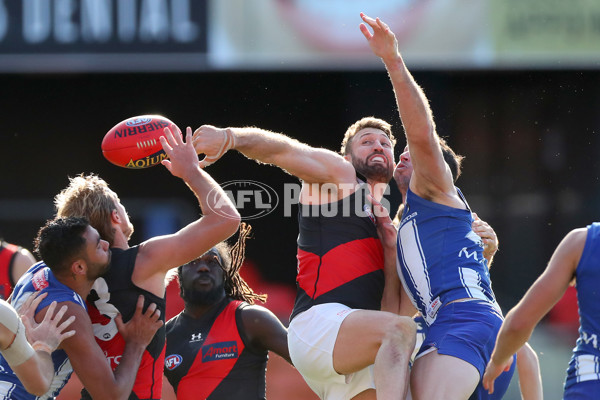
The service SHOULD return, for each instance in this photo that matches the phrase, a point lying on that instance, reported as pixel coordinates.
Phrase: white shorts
(311, 338)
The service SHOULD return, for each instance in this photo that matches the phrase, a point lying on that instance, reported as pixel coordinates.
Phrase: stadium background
(513, 86)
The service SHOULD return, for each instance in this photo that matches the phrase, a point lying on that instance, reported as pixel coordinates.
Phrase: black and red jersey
(115, 293)
(210, 357)
(340, 256)
(7, 255)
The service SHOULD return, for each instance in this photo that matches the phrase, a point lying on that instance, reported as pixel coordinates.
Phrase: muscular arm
(431, 178)
(312, 165)
(265, 331)
(220, 220)
(539, 299)
(89, 362)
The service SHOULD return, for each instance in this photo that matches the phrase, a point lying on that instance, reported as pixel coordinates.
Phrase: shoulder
(575, 240)
(255, 316)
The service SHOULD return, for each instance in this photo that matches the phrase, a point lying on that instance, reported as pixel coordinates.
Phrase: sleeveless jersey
(7, 255)
(340, 257)
(585, 362)
(209, 358)
(39, 278)
(115, 293)
(440, 258)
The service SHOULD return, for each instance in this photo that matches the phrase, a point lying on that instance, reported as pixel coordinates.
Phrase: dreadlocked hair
(235, 286)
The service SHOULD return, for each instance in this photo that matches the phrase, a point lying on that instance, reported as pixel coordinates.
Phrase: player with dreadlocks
(217, 347)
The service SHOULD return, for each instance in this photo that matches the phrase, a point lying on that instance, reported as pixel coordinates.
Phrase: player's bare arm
(539, 299)
(312, 165)
(220, 218)
(432, 179)
(22, 260)
(530, 378)
(88, 360)
(265, 331)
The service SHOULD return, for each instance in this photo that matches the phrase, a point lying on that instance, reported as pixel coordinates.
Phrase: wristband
(227, 144)
(19, 350)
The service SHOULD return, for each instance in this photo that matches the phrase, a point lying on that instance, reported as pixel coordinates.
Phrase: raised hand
(142, 326)
(382, 41)
(48, 334)
(213, 142)
(182, 156)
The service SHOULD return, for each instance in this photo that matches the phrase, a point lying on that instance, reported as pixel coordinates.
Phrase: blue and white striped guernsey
(439, 257)
(585, 362)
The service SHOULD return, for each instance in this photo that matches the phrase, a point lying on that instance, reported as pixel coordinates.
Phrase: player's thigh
(437, 376)
(360, 337)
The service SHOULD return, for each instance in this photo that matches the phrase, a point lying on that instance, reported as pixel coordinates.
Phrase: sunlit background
(514, 86)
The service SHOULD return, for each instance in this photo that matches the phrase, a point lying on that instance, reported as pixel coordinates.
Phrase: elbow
(233, 222)
(228, 224)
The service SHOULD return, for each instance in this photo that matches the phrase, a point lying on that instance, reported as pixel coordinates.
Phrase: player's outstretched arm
(265, 331)
(220, 219)
(539, 299)
(89, 362)
(312, 165)
(431, 174)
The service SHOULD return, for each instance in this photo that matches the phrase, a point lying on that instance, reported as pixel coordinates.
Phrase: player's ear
(78, 267)
(115, 217)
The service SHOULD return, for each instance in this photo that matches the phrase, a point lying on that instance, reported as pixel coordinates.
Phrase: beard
(377, 172)
(203, 297)
(96, 270)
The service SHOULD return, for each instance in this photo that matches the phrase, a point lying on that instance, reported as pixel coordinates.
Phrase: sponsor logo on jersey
(173, 361)
(40, 279)
(219, 351)
(196, 337)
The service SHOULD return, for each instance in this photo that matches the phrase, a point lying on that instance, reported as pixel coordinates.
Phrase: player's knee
(402, 331)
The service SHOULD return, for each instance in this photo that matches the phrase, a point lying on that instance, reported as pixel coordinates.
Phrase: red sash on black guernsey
(7, 253)
(340, 257)
(207, 358)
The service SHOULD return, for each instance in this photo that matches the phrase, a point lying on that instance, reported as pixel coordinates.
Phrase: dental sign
(102, 34)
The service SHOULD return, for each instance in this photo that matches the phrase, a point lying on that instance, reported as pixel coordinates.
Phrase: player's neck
(120, 241)
(197, 310)
(78, 284)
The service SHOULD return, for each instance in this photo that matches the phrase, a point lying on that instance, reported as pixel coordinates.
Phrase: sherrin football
(134, 143)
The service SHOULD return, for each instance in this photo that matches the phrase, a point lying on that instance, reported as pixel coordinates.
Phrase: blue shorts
(468, 330)
(587, 390)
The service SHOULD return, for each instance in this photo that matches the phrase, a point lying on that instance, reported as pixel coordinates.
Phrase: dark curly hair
(233, 259)
(60, 241)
